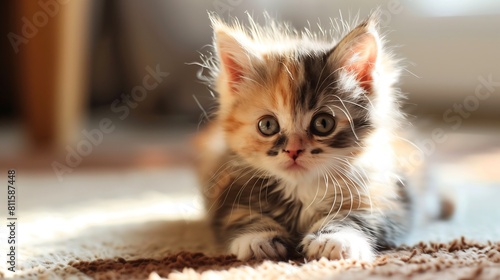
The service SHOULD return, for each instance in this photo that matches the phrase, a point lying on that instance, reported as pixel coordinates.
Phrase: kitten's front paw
(259, 245)
(344, 244)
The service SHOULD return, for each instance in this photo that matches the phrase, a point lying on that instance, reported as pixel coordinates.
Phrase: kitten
(299, 157)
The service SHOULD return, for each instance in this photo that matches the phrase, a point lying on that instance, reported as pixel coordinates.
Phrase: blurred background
(110, 87)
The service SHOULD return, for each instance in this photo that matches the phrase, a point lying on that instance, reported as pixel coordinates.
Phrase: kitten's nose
(293, 154)
(294, 147)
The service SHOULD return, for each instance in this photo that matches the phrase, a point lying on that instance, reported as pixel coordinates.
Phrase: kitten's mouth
(294, 166)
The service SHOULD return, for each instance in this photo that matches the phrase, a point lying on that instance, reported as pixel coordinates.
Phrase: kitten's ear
(235, 55)
(357, 52)
(232, 56)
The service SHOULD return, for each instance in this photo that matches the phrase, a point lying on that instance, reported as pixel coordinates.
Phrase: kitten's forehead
(299, 86)
(286, 95)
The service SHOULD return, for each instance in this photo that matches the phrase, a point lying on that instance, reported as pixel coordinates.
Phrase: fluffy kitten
(299, 157)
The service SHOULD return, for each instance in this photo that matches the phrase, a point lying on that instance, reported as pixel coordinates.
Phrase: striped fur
(343, 196)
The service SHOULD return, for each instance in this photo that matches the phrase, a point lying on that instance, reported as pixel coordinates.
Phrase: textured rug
(102, 225)
(159, 236)
(459, 259)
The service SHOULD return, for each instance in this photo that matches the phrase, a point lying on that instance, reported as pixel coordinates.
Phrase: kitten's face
(293, 123)
(296, 112)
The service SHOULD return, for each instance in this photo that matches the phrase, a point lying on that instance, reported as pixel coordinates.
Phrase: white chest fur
(318, 198)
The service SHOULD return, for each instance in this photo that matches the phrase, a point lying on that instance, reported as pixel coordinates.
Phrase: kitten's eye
(322, 124)
(268, 126)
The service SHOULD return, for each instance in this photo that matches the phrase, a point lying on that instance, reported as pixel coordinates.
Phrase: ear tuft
(357, 52)
(234, 54)
(230, 54)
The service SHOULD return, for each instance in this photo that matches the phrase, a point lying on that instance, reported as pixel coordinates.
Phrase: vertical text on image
(11, 220)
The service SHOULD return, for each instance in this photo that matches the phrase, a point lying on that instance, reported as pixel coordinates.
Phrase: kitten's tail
(431, 202)
(447, 207)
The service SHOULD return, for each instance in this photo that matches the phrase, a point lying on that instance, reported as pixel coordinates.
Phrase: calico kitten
(299, 157)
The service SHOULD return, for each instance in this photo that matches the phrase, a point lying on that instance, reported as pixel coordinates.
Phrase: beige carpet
(183, 249)
(459, 259)
(140, 224)
(142, 236)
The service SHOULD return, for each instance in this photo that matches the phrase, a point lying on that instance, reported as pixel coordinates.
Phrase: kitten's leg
(253, 236)
(355, 237)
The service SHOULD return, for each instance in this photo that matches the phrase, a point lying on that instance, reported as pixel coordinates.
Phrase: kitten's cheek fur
(259, 245)
(344, 244)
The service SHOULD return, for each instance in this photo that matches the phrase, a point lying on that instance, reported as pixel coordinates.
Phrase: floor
(129, 194)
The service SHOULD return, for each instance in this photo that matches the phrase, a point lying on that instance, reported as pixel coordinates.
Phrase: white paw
(258, 245)
(344, 244)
